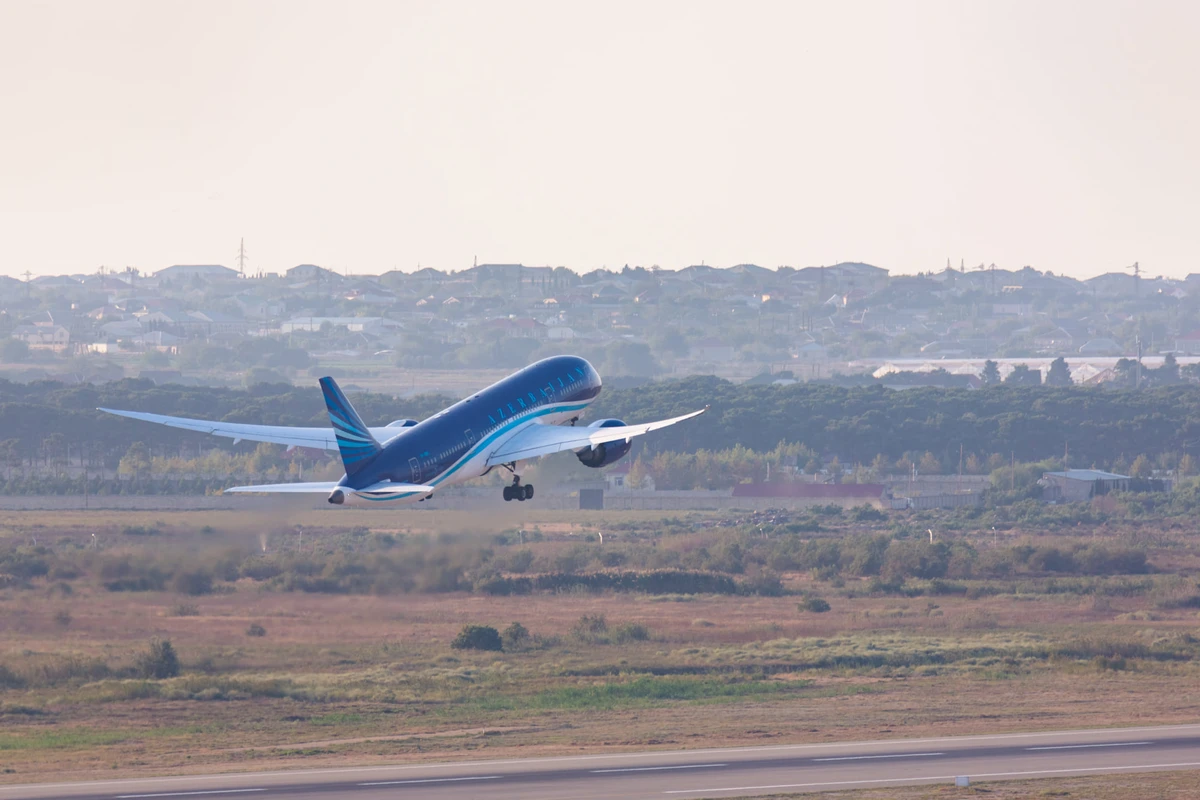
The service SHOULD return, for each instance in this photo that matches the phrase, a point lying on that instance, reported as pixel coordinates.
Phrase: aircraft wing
(540, 440)
(318, 438)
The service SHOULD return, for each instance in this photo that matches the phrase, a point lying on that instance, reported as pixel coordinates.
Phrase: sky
(368, 136)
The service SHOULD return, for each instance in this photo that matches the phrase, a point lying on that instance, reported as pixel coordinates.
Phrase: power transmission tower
(241, 258)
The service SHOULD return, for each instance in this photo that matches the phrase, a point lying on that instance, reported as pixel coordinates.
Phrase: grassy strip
(81, 738)
(1183, 785)
(641, 691)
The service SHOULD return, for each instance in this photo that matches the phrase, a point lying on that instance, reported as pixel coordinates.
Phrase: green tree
(671, 341)
(10, 455)
(880, 466)
(155, 358)
(1125, 373)
(478, 637)
(991, 373)
(1059, 374)
(135, 461)
(629, 359)
(515, 636)
(1140, 468)
(835, 469)
(259, 375)
(1022, 375)
(13, 351)
(160, 661)
(55, 446)
(1168, 373)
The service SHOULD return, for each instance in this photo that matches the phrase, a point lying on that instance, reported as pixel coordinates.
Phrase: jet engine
(401, 423)
(602, 455)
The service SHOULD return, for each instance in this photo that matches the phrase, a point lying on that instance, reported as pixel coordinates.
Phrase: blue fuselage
(453, 445)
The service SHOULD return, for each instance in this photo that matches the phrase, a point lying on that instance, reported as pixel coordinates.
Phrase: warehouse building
(1081, 485)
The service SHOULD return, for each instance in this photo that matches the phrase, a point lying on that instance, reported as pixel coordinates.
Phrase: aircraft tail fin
(354, 440)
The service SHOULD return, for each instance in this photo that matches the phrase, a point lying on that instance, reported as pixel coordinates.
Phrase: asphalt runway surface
(689, 774)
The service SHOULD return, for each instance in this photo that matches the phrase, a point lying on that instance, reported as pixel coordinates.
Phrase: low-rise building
(188, 272)
(375, 325)
(43, 337)
(1080, 485)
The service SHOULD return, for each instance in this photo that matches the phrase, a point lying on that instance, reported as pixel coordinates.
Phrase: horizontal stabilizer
(321, 487)
(387, 487)
(326, 487)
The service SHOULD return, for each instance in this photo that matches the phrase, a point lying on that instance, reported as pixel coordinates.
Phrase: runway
(689, 774)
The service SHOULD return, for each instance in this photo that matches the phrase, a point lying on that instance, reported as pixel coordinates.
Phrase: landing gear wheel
(515, 490)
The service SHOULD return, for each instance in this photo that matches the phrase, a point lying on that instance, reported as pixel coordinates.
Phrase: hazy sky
(367, 136)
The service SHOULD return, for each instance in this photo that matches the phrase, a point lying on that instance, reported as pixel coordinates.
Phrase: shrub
(160, 661)
(631, 632)
(612, 558)
(478, 637)
(515, 636)
(764, 584)
(256, 630)
(816, 605)
(10, 679)
(591, 628)
(193, 582)
(66, 669)
(573, 560)
(867, 513)
(520, 561)
(62, 617)
(185, 610)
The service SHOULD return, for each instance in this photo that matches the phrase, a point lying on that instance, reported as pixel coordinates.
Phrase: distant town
(448, 331)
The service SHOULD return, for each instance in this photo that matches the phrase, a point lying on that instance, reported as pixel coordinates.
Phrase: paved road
(691, 774)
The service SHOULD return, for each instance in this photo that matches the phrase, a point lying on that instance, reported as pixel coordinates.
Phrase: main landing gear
(517, 491)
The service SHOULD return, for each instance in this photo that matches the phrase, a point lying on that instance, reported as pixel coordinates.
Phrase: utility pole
(241, 258)
(1137, 384)
(960, 465)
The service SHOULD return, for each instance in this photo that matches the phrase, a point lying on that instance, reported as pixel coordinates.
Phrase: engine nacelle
(401, 423)
(602, 455)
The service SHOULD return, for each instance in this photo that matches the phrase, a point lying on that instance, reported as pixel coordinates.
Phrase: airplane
(529, 414)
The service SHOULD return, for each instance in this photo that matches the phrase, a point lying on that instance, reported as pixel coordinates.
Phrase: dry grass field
(272, 678)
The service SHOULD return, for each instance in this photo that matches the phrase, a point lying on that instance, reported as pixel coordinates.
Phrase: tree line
(47, 426)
